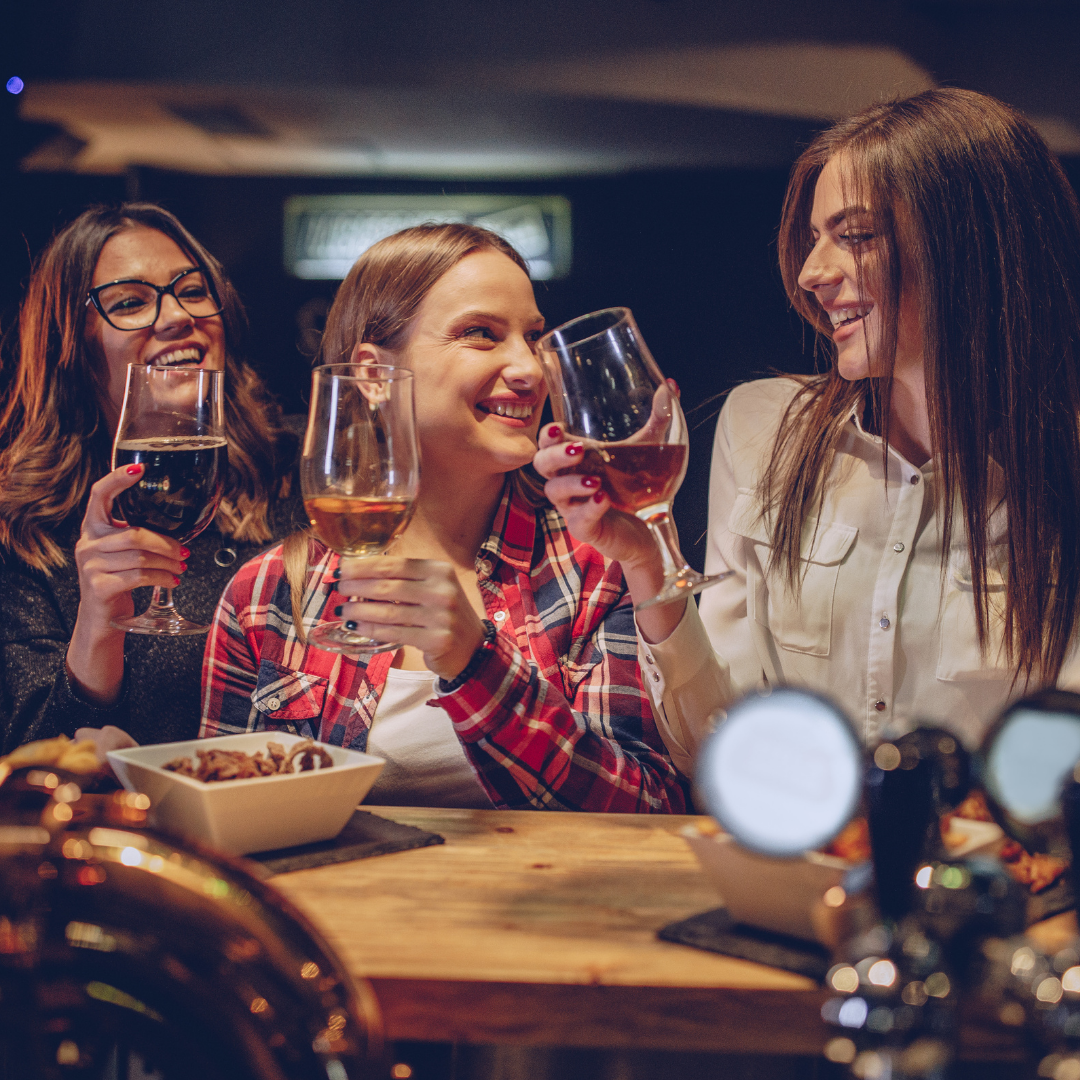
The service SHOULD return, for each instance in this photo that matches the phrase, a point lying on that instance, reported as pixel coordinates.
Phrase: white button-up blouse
(878, 627)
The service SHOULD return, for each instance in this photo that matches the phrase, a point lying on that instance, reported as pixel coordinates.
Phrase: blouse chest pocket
(959, 657)
(288, 700)
(799, 622)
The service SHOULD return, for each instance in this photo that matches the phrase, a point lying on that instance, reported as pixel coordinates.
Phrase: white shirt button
(884, 624)
(483, 568)
(898, 548)
(499, 616)
(273, 704)
(656, 676)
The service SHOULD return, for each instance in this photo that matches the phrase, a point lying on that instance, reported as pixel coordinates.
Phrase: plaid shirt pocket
(283, 698)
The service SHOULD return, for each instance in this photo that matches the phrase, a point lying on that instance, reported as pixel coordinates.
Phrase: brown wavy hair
(54, 437)
(376, 304)
(975, 216)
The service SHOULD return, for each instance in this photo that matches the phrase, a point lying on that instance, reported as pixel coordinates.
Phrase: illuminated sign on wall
(326, 234)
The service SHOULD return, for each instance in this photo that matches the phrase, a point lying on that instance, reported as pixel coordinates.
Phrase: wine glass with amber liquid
(359, 472)
(173, 424)
(608, 393)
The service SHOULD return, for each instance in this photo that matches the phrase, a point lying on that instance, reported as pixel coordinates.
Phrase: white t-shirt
(425, 763)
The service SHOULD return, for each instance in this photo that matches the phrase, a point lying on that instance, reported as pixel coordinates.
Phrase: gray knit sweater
(160, 699)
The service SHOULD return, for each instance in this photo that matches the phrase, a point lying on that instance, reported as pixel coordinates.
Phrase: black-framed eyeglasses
(130, 304)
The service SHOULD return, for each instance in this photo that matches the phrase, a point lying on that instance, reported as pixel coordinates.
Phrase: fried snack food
(59, 753)
(213, 765)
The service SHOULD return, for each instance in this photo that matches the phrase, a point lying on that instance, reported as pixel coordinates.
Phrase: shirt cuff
(689, 687)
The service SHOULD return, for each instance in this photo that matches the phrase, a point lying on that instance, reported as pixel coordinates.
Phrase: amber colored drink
(354, 525)
(638, 476)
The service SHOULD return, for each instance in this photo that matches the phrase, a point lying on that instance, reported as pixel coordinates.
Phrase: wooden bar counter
(535, 928)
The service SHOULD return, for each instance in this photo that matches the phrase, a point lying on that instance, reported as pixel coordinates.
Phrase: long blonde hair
(54, 437)
(376, 304)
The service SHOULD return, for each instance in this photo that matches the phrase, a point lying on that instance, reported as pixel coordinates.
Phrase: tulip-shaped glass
(359, 472)
(608, 393)
(173, 424)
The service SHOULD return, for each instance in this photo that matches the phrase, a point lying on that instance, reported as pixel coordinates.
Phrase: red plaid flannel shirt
(554, 718)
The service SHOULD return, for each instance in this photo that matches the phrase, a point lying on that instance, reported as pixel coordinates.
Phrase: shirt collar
(513, 532)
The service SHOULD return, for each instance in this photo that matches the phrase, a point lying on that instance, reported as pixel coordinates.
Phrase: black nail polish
(337, 573)
(337, 610)
(350, 625)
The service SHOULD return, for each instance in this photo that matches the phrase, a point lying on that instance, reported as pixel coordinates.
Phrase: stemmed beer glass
(173, 424)
(608, 393)
(359, 471)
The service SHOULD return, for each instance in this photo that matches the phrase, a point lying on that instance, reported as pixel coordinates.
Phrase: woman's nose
(171, 314)
(819, 270)
(522, 367)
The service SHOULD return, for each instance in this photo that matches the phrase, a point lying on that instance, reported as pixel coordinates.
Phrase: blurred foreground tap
(123, 952)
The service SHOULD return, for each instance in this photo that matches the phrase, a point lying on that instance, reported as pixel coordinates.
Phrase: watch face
(1027, 759)
(783, 773)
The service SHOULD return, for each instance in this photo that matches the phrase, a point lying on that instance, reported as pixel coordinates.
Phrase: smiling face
(841, 273)
(479, 385)
(175, 338)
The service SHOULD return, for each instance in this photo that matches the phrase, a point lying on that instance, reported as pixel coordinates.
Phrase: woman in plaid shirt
(518, 683)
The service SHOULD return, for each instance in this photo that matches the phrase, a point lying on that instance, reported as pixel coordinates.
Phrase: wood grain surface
(538, 928)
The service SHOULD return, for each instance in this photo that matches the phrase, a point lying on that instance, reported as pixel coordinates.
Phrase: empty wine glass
(359, 471)
(173, 424)
(608, 393)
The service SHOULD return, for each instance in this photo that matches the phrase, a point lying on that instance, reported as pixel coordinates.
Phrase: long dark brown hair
(976, 218)
(376, 304)
(54, 437)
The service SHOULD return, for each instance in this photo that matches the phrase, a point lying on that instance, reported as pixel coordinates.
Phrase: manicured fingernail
(350, 625)
(573, 449)
(598, 497)
(337, 573)
(175, 581)
(183, 567)
(337, 611)
(674, 386)
(133, 470)
(590, 481)
(184, 552)
(554, 432)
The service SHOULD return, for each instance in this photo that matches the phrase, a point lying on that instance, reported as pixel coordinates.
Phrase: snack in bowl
(217, 765)
(260, 812)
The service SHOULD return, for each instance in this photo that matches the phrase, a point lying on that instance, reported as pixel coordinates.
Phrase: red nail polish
(574, 449)
(184, 553)
(133, 470)
(175, 581)
(598, 497)
(554, 432)
(183, 567)
(590, 481)
(674, 386)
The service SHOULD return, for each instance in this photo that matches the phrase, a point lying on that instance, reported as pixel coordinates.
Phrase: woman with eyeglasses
(118, 286)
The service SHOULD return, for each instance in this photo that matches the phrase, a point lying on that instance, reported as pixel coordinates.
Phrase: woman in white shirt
(904, 529)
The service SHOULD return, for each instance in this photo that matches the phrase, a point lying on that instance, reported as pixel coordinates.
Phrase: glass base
(686, 582)
(167, 624)
(334, 637)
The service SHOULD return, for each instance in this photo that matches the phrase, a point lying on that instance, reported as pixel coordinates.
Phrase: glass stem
(162, 608)
(663, 529)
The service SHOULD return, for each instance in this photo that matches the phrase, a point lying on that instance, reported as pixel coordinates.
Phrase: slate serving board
(365, 834)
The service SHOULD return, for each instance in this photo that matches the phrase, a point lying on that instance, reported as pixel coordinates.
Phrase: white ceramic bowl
(774, 894)
(245, 816)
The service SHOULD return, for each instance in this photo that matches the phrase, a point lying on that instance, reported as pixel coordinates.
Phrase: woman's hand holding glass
(113, 557)
(417, 602)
